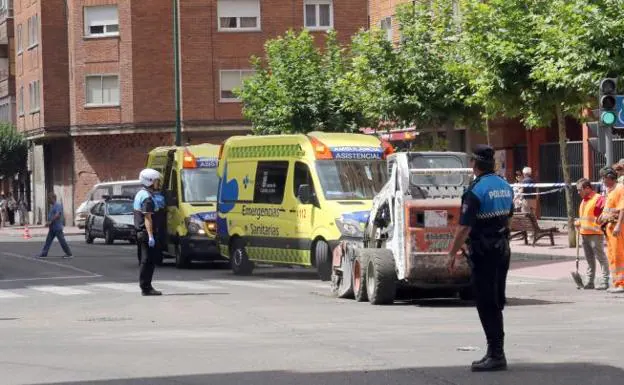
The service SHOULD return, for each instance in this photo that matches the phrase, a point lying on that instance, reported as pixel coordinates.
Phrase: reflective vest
(587, 219)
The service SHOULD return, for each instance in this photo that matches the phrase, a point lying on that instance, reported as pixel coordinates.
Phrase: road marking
(60, 290)
(314, 284)
(190, 285)
(257, 285)
(9, 294)
(46, 278)
(125, 287)
(93, 275)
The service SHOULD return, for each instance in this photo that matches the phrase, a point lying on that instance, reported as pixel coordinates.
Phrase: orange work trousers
(615, 252)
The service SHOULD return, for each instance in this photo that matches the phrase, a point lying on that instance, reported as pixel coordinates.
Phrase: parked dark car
(111, 219)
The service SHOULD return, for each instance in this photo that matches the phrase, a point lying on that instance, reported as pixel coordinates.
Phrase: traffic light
(607, 101)
(598, 138)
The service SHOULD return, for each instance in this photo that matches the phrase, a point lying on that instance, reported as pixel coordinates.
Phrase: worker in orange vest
(593, 239)
(613, 217)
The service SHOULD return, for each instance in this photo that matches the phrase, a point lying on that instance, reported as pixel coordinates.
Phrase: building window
(19, 39)
(385, 25)
(20, 101)
(33, 31)
(102, 90)
(238, 15)
(318, 14)
(230, 80)
(101, 21)
(34, 92)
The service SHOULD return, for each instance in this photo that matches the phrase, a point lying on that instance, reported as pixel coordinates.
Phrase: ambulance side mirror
(172, 200)
(304, 193)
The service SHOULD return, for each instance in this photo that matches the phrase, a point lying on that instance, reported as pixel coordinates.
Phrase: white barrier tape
(541, 193)
(561, 185)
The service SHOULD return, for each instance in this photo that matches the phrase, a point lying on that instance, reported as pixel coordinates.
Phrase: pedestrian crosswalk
(168, 286)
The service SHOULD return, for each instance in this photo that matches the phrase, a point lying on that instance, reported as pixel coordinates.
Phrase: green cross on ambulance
(290, 199)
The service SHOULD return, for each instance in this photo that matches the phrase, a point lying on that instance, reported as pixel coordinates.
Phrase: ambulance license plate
(436, 218)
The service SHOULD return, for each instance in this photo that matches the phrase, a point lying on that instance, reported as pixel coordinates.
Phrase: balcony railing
(6, 9)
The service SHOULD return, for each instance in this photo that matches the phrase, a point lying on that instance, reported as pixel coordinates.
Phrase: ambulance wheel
(181, 261)
(358, 275)
(323, 260)
(381, 278)
(239, 260)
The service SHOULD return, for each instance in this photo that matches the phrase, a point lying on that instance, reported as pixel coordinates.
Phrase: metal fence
(599, 160)
(552, 205)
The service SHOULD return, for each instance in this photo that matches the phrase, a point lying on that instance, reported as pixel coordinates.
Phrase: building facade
(97, 79)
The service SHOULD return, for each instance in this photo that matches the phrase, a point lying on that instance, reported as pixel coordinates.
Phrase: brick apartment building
(7, 76)
(95, 78)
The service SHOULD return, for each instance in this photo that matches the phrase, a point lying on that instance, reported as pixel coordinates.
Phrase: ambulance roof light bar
(188, 159)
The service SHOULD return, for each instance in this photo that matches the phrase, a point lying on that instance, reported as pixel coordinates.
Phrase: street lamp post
(176, 65)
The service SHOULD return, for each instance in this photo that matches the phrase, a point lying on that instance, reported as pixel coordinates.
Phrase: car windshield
(200, 185)
(351, 180)
(120, 208)
(423, 161)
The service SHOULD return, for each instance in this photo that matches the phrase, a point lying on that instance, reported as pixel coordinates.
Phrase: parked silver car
(99, 191)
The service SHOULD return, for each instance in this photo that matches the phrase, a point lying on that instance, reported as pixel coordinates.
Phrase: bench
(522, 224)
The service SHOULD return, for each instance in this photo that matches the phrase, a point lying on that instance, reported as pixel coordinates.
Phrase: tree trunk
(566, 175)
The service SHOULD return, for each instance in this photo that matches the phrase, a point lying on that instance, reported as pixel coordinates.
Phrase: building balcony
(6, 10)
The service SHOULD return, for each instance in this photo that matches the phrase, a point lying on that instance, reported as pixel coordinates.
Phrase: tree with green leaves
(421, 81)
(293, 89)
(13, 150)
(541, 60)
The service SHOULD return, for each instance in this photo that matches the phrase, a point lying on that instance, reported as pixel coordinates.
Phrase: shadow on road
(453, 302)
(551, 374)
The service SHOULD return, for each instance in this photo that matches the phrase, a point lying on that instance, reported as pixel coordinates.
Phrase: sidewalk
(36, 231)
(543, 250)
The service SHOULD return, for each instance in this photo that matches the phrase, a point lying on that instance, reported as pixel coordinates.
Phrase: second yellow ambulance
(290, 199)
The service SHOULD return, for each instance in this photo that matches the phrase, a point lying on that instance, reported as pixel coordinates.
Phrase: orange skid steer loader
(409, 232)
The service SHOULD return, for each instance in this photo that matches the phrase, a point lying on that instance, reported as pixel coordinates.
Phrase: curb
(518, 257)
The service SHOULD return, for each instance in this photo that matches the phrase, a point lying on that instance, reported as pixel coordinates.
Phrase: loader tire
(359, 274)
(323, 260)
(342, 277)
(381, 279)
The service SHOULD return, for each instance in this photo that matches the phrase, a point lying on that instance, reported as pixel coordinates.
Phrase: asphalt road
(83, 321)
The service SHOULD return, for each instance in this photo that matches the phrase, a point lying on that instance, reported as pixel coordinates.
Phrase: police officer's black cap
(609, 172)
(483, 153)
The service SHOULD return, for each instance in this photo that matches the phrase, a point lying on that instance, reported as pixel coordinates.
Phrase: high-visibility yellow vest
(587, 219)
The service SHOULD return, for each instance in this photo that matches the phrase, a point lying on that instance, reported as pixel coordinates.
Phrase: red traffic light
(608, 86)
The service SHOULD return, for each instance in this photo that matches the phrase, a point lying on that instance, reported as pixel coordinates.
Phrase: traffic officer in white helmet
(145, 208)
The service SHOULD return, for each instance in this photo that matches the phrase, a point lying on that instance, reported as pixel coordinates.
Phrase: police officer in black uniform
(146, 225)
(487, 206)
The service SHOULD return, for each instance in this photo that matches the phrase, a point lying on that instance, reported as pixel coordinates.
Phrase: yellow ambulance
(190, 186)
(290, 199)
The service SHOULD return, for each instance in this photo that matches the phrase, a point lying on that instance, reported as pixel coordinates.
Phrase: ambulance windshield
(199, 185)
(351, 180)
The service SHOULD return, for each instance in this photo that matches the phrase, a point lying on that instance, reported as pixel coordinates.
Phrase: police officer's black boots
(494, 360)
(151, 292)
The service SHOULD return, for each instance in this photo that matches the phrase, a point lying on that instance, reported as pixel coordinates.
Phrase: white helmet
(148, 176)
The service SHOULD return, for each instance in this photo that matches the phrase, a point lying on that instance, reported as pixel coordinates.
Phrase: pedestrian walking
(612, 218)
(592, 236)
(55, 228)
(146, 225)
(486, 208)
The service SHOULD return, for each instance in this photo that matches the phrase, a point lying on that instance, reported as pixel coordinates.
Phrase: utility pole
(176, 65)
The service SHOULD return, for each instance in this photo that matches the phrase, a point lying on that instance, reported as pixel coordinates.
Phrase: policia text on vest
(487, 206)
